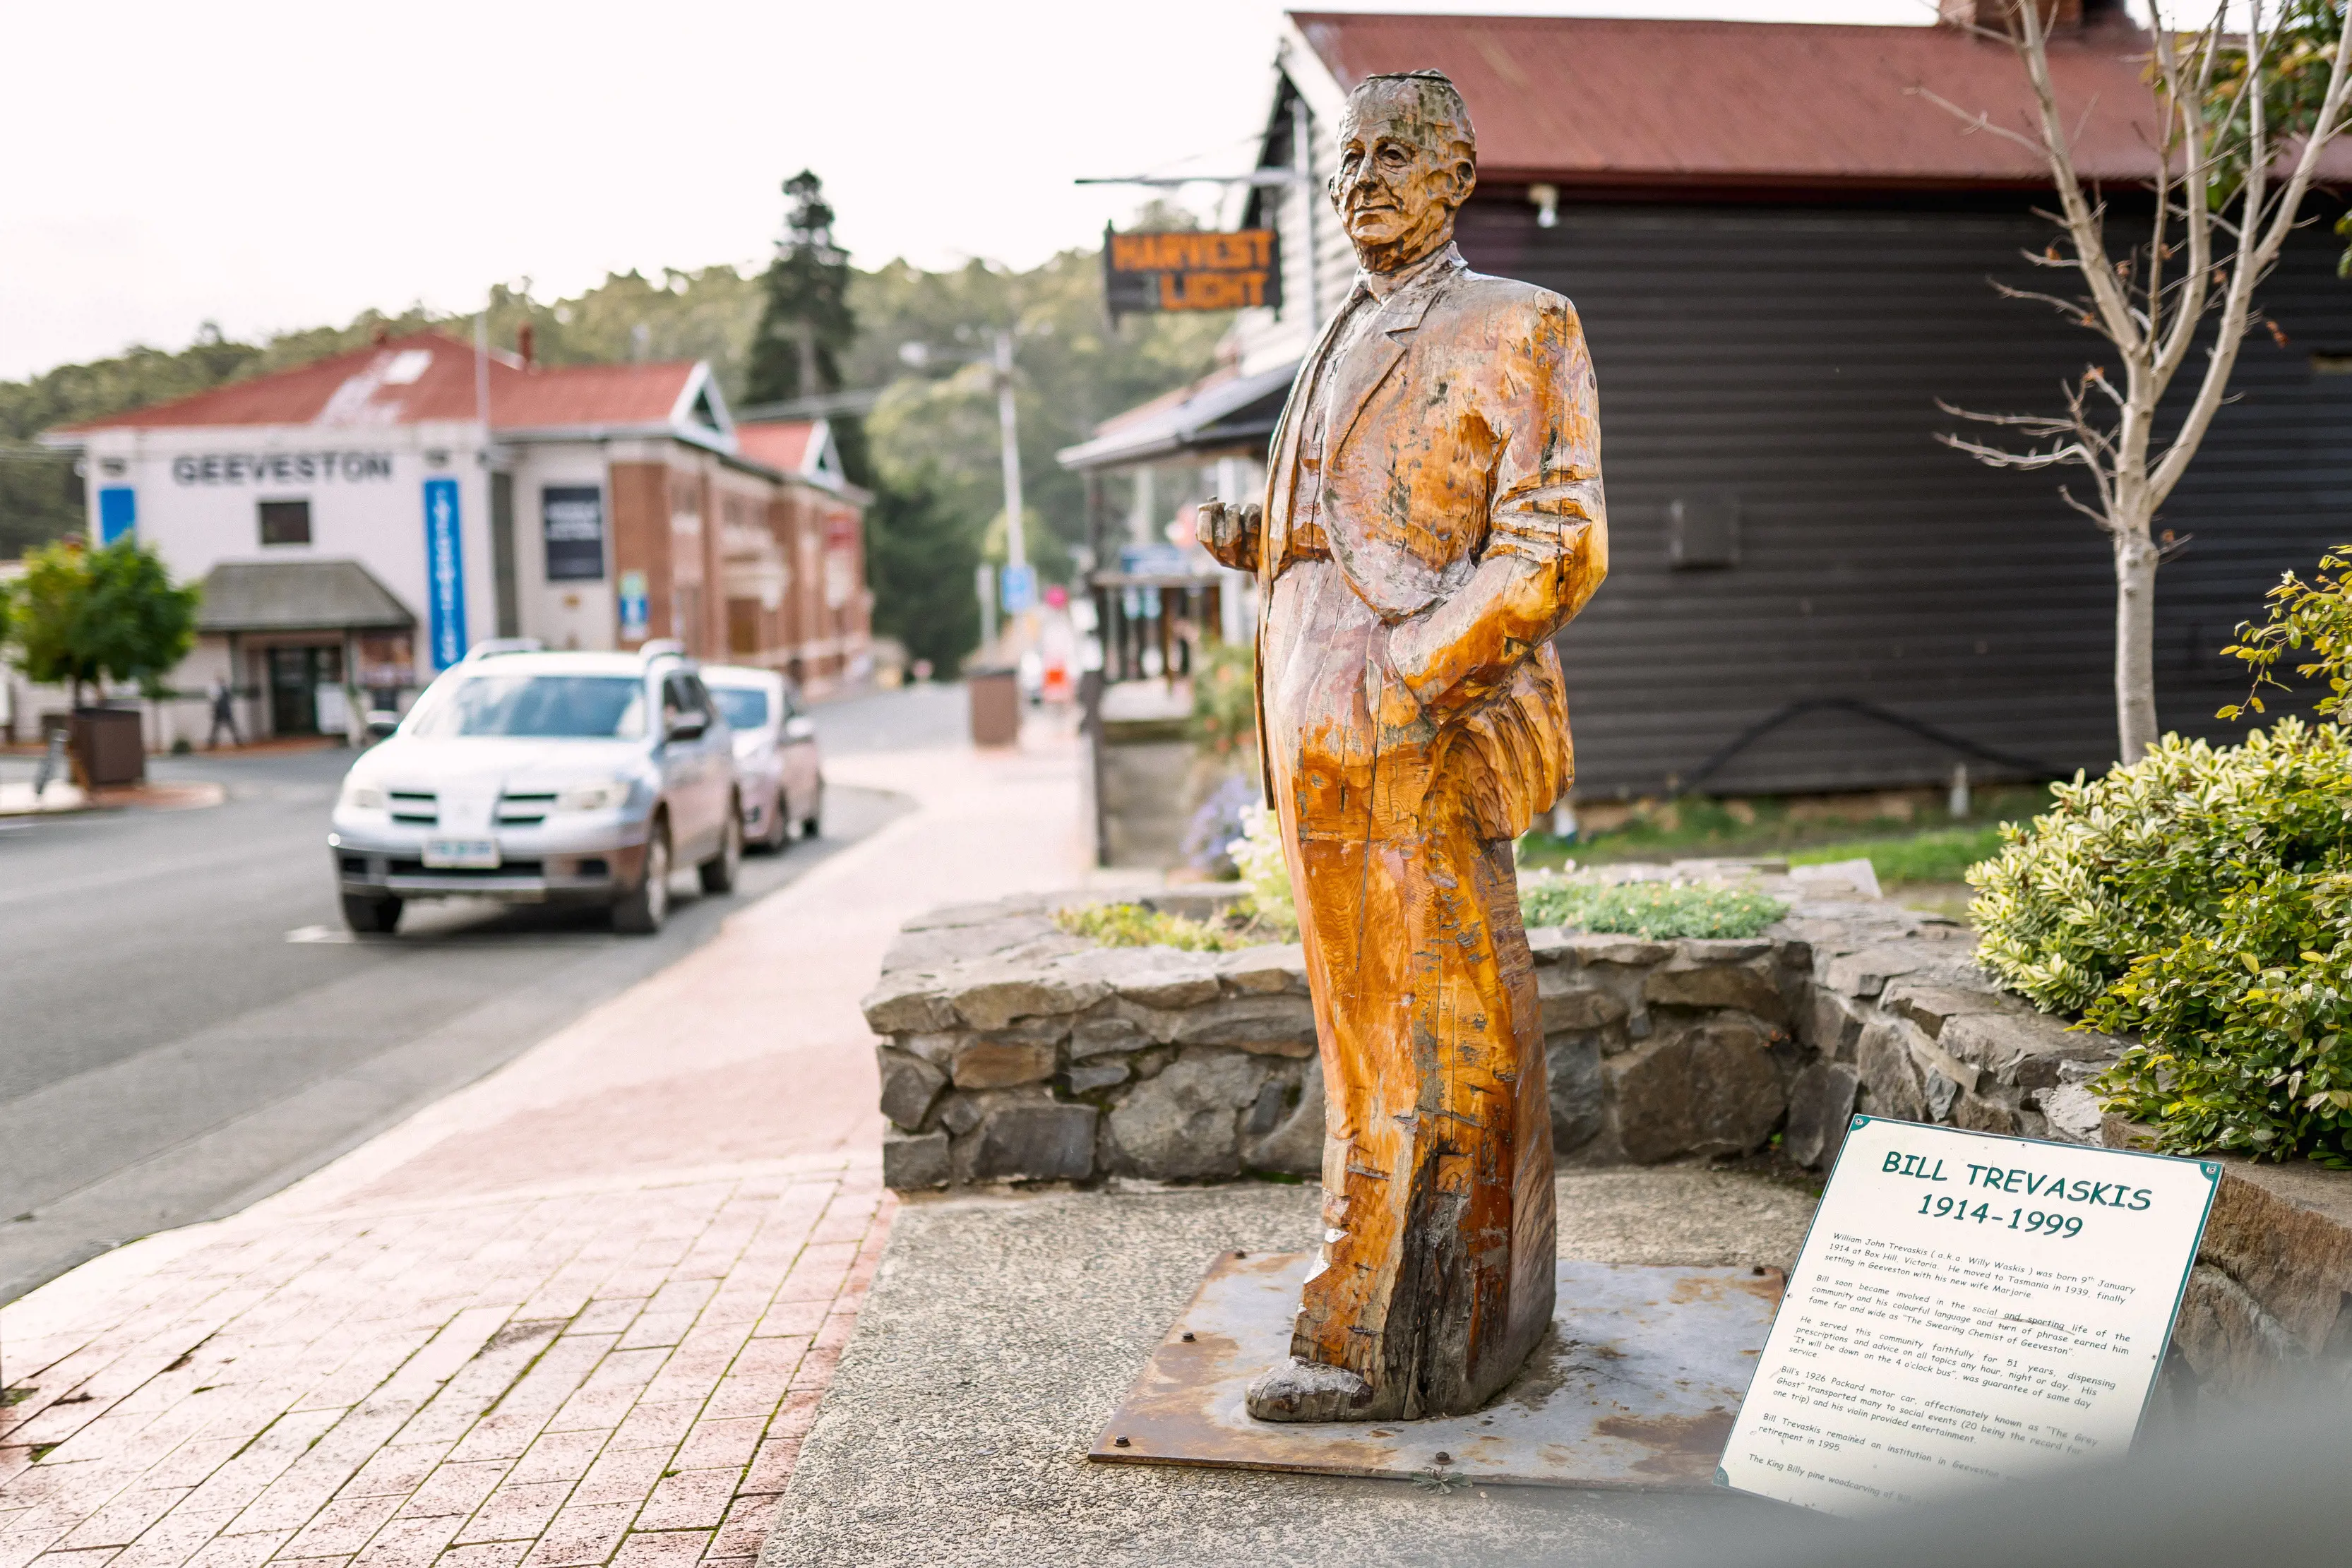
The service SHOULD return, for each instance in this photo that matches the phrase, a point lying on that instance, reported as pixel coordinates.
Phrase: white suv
(538, 778)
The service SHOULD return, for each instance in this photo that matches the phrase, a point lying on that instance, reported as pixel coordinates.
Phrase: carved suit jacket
(1462, 500)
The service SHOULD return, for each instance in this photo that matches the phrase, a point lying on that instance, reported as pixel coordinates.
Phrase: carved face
(1400, 179)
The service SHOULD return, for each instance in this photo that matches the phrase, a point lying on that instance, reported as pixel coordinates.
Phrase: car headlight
(599, 797)
(359, 797)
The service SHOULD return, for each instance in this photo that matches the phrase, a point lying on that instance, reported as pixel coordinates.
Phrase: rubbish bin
(108, 744)
(995, 707)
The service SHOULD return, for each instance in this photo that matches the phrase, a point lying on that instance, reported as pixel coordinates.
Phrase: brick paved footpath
(579, 1314)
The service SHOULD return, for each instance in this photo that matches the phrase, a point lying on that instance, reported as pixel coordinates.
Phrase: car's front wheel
(369, 914)
(720, 871)
(641, 910)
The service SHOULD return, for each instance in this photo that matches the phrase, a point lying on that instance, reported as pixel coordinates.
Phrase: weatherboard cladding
(1783, 362)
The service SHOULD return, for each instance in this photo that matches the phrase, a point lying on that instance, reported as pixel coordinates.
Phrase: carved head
(1408, 158)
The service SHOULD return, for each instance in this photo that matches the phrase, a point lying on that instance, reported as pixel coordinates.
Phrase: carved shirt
(1345, 340)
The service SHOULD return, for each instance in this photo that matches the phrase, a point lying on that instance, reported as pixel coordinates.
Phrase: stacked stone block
(1015, 1051)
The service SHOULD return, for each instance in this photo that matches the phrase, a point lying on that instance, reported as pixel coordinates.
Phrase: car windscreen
(742, 707)
(576, 708)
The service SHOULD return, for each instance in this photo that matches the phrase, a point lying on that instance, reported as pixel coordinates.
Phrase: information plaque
(1968, 1309)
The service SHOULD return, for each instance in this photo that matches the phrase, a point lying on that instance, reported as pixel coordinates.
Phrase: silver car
(776, 760)
(536, 778)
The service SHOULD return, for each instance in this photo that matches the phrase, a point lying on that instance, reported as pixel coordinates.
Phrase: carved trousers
(1435, 1275)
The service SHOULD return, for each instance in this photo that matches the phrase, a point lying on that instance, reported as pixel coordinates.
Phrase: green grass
(1699, 826)
(1939, 855)
(1651, 909)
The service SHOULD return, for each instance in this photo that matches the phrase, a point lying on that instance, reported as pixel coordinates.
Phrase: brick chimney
(523, 344)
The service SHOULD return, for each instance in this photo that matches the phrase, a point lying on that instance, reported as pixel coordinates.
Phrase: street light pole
(1016, 550)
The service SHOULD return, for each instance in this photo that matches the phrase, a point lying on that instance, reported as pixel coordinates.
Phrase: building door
(295, 676)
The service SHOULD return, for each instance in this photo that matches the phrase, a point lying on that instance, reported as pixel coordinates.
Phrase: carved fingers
(1231, 531)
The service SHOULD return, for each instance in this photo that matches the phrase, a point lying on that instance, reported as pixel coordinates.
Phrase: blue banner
(444, 566)
(637, 609)
(118, 513)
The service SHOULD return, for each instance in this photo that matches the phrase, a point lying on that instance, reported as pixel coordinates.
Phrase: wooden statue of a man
(1433, 517)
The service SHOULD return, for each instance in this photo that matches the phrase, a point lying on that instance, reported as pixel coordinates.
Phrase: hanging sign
(1191, 270)
(1019, 586)
(445, 570)
(1967, 1310)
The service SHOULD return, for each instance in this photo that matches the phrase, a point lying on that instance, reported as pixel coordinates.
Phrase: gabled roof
(1223, 413)
(426, 376)
(801, 447)
(1593, 100)
(298, 596)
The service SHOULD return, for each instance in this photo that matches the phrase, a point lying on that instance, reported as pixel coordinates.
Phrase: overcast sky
(272, 165)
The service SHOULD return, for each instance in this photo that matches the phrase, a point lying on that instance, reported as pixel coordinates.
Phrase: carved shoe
(1296, 1390)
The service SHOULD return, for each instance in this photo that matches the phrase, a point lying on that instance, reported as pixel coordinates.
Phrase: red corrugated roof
(424, 376)
(782, 444)
(1599, 100)
(559, 396)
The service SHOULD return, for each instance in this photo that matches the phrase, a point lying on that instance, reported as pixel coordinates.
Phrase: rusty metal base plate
(1636, 1385)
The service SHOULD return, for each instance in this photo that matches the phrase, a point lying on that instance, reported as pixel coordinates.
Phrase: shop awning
(298, 596)
(1224, 416)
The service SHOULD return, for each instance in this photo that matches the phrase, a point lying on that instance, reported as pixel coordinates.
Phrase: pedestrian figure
(224, 697)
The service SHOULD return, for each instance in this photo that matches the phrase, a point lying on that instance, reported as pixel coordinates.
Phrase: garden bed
(1016, 1051)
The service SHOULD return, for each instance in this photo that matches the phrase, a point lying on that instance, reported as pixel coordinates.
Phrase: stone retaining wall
(1016, 1052)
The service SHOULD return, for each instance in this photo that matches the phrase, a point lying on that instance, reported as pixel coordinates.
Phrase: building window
(285, 522)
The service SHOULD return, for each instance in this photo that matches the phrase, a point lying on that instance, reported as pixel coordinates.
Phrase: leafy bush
(1266, 873)
(1653, 909)
(2317, 613)
(1224, 698)
(81, 615)
(1208, 839)
(2200, 899)
(1133, 926)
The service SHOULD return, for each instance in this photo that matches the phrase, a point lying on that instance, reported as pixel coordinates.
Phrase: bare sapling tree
(2230, 175)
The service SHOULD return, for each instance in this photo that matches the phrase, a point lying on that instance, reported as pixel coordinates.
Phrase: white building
(359, 522)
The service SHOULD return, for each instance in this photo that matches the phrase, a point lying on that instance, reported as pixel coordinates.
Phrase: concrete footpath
(1001, 1333)
(580, 1313)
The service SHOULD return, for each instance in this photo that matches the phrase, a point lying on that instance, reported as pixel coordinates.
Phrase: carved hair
(1439, 102)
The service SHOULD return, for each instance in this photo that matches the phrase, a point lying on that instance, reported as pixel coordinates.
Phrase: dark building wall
(1784, 361)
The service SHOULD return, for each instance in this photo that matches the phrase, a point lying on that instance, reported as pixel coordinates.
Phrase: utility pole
(1016, 547)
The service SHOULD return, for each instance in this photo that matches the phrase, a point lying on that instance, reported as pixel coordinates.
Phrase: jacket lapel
(1377, 354)
(1282, 478)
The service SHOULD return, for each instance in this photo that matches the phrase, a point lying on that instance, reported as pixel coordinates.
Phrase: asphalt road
(185, 1026)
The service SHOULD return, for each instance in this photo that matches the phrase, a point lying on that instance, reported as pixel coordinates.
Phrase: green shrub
(1266, 872)
(1224, 698)
(1133, 926)
(1651, 909)
(2201, 899)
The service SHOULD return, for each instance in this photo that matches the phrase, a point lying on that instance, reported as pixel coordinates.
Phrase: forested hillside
(933, 437)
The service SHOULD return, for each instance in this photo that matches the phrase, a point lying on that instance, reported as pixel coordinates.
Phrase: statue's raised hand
(1230, 530)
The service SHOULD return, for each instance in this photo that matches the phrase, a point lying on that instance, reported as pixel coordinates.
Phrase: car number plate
(461, 854)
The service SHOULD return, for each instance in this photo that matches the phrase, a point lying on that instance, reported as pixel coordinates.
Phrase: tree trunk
(2135, 728)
